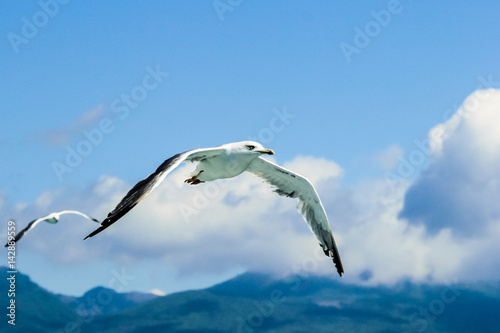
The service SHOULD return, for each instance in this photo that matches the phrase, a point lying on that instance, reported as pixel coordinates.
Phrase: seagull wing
(30, 226)
(148, 184)
(292, 185)
(79, 213)
(51, 218)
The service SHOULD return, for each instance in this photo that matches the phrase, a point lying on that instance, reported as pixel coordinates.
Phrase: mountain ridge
(257, 302)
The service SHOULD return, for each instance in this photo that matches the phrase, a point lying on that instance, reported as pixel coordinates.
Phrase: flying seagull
(52, 218)
(230, 160)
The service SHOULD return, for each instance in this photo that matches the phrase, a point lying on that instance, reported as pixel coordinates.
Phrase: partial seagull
(52, 218)
(230, 160)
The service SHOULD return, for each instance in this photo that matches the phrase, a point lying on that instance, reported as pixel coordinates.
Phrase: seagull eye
(250, 147)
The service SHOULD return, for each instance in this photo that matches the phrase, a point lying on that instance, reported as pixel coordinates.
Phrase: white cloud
(478, 114)
(457, 196)
(449, 225)
(461, 188)
(240, 223)
(315, 169)
(157, 292)
(389, 158)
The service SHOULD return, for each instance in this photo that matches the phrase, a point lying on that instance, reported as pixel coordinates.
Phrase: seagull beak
(267, 151)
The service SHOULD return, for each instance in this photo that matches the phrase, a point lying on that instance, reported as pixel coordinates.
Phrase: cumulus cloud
(240, 223)
(461, 188)
(389, 158)
(437, 228)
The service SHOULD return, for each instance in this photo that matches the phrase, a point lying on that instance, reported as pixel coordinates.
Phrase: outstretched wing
(292, 185)
(52, 218)
(30, 226)
(90, 218)
(145, 186)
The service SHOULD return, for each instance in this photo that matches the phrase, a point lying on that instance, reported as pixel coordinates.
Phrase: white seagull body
(52, 218)
(230, 160)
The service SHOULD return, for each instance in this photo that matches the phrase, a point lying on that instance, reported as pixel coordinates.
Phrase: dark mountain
(38, 310)
(105, 300)
(259, 303)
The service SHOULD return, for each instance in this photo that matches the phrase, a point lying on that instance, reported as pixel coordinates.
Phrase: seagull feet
(194, 179)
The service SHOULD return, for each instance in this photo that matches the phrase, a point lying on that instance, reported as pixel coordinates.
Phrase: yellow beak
(267, 151)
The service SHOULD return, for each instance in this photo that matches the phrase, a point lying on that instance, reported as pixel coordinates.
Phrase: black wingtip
(8, 243)
(95, 232)
(341, 273)
(334, 254)
(18, 237)
(338, 265)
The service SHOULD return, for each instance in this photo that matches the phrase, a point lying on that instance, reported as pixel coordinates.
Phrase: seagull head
(252, 147)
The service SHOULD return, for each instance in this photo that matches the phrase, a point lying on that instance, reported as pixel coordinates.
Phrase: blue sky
(273, 71)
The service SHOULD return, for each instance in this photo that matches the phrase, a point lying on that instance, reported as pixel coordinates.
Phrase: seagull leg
(194, 179)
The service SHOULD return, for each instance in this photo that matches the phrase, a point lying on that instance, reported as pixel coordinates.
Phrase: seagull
(52, 218)
(230, 160)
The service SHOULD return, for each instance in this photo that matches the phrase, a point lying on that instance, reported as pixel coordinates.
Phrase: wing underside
(145, 186)
(292, 185)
